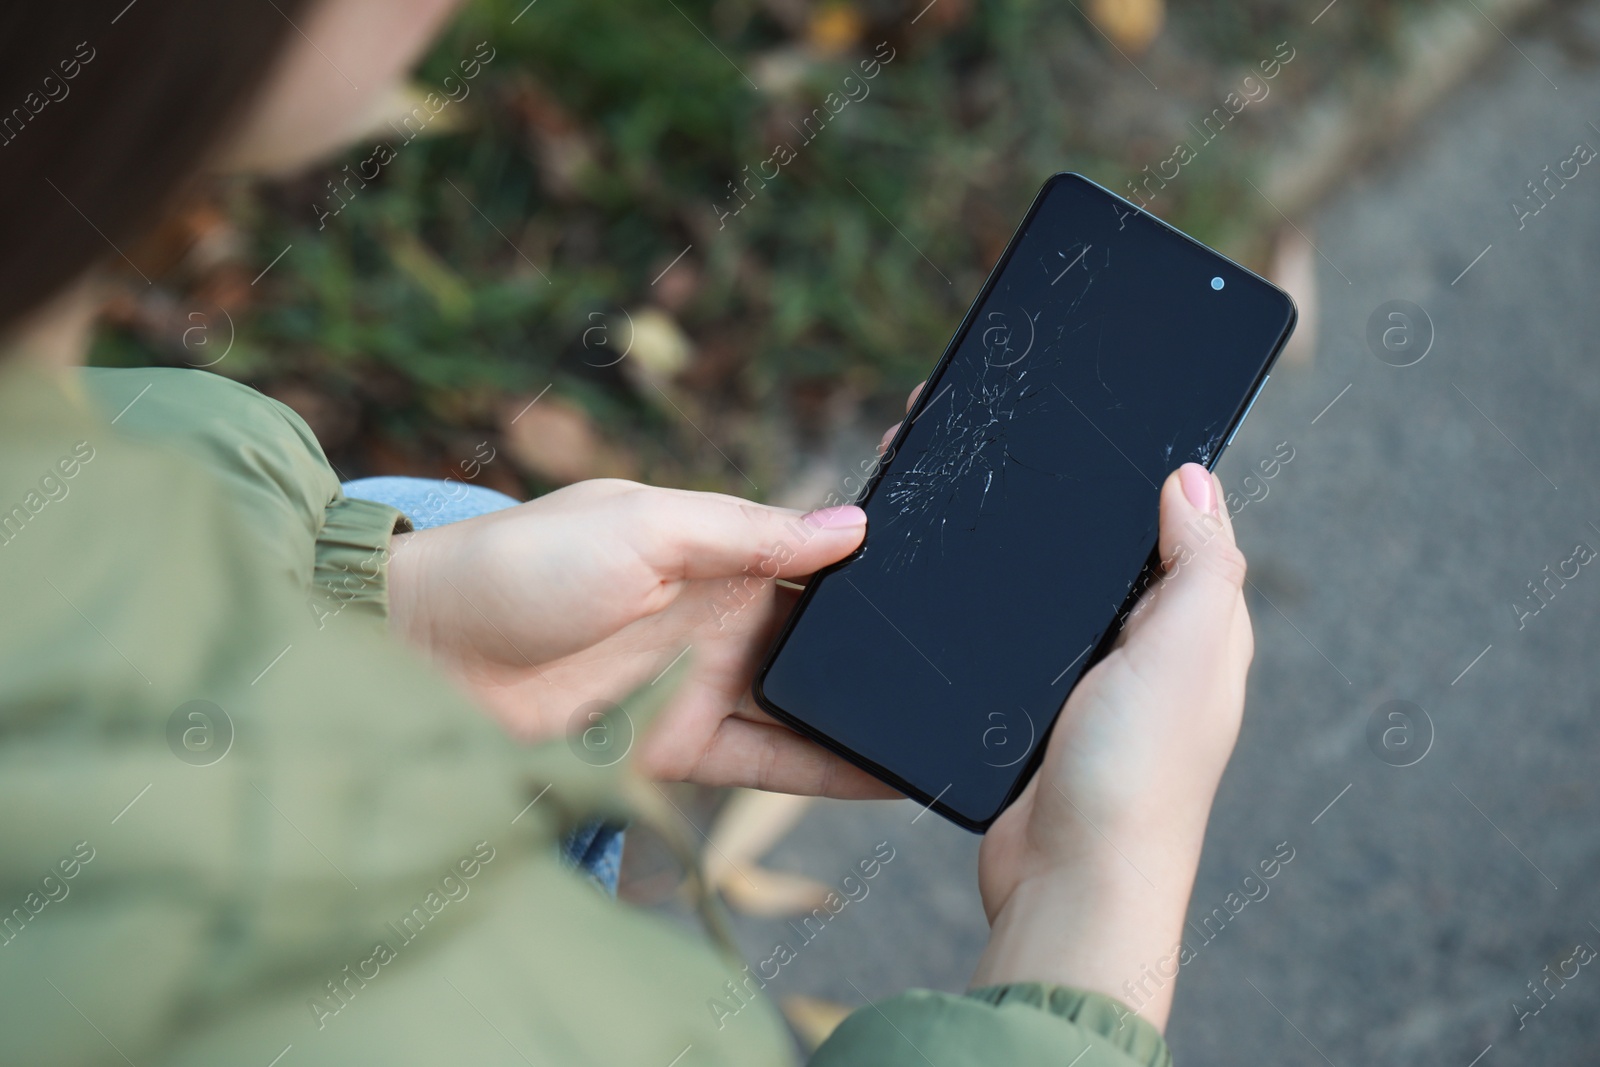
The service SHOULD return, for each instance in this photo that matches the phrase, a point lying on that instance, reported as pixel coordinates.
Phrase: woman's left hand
(589, 592)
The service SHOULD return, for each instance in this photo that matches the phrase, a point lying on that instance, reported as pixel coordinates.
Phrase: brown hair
(107, 110)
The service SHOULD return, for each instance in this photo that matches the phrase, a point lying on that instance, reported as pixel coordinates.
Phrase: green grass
(472, 267)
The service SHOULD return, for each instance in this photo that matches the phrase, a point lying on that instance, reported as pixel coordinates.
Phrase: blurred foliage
(511, 245)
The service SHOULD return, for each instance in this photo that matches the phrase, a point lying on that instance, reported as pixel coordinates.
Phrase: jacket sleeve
(1018, 1025)
(275, 474)
(351, 566)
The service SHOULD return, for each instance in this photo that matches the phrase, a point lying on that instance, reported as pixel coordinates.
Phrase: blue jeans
(596, 848)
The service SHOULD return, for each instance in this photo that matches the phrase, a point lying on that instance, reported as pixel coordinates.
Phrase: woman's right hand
(1087, 876)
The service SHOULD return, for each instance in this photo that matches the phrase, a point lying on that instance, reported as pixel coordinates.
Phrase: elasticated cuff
(1104, 1016)
(352, 564)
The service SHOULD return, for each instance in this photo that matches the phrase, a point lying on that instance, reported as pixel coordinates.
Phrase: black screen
(1018, 504)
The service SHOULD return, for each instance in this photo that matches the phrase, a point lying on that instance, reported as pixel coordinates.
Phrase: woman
(245, 820)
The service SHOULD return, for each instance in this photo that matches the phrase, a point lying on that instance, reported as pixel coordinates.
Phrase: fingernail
(1197, 487)
(841, 518)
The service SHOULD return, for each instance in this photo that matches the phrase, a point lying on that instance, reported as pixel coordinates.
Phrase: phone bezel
(1027, 770)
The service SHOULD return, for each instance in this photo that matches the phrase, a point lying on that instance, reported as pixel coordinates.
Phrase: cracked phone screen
(1015, 512)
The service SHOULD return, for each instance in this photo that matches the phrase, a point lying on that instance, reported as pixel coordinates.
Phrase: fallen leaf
(1131, 24)
(195, 238)
(753, 890)
(656, 345)
(834, 28)
(813, 1018)
(404, 110)
(556, 441)
(745, 830)
(782, 72)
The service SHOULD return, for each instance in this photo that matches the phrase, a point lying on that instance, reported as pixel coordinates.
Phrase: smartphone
(1013, 515)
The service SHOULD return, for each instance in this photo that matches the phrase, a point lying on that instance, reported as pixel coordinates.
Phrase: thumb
(1194, 607)
(1197, 532)
(709, 535)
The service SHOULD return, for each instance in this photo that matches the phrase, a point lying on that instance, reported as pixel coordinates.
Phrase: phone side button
(1247, 411)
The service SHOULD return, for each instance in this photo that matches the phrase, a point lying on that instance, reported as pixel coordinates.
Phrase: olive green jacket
(242, 825)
